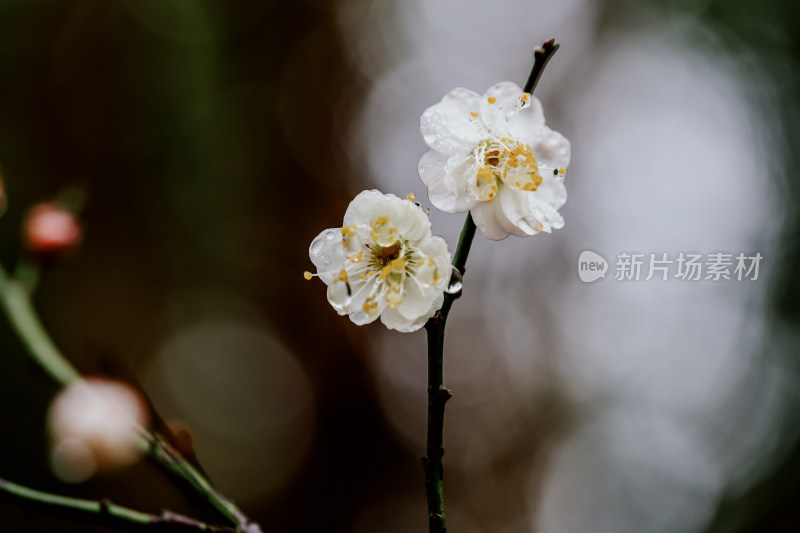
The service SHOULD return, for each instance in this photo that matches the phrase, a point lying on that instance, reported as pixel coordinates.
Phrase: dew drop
(456, 282)
(316, 246)
(330, 235)
(326, 259)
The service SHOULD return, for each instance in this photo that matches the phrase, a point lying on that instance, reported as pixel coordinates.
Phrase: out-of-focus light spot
(485, 417)
(457, 38)
(245, 399)
(95, 425)
(657, 367)
(627, 471)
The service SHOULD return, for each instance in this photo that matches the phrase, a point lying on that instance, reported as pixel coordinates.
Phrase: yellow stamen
(491, 99)
(307, 275)
(474, 114)
(485, 173)
(411, 197)
(385, 271)
(399, 264)
(394, 298)
(370, 306)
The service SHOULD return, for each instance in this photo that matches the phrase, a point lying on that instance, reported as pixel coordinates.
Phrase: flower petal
(548, 146)
(490, 219)
(447, 188)
(338, 297)
(361, 209)
(392, 319)
(505, 111)
(448, 127)
(531, 212)
(435, 247)
(412, 222)
(327, 254)
(530, 118)
(416, 302)
(357, 312)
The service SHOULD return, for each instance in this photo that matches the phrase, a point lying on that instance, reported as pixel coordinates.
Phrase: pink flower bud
(49, 229)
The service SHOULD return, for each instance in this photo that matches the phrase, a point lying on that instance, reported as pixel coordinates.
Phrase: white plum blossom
(384, 262)
(494, 156)
(95, 424)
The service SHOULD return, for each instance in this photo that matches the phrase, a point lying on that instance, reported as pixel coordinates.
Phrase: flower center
(379, 262)
(502, 161)
(382, 256)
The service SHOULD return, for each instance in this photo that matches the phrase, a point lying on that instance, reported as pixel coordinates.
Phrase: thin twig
(16, 302)
(437, 393)
(104, 512)
(540, 58)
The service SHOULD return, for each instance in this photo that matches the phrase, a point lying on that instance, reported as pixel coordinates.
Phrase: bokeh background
(214, 140)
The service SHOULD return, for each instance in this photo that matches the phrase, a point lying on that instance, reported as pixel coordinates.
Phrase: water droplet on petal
(330, 235)
(316, 246)
(456, 282)
(326, 259)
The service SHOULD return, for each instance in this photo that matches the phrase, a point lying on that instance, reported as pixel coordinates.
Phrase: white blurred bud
(95, 425)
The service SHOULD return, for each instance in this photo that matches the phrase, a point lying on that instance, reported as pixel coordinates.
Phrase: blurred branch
(15, 301)
(113, 366)
(437, 393)
(171, 459)
(106, 513)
